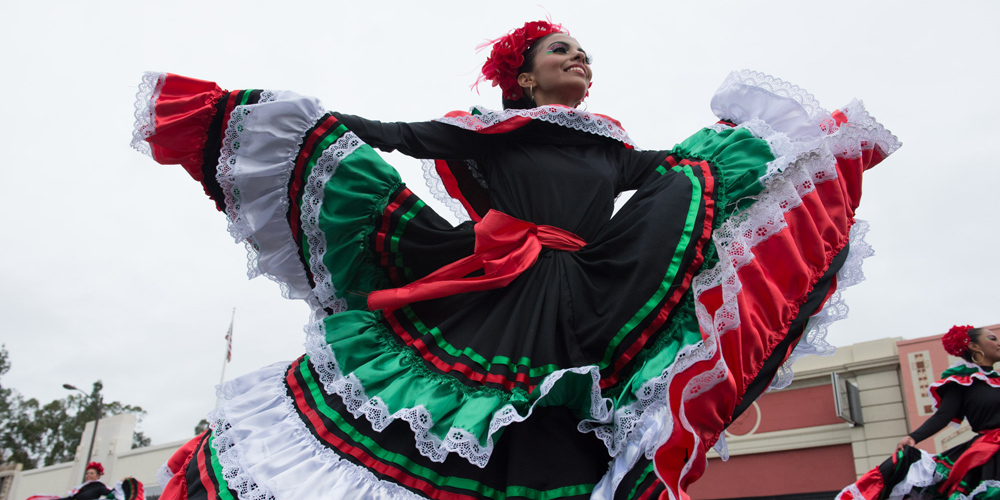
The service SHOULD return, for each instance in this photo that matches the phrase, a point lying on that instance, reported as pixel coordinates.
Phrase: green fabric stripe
(650, 307)
(398, 234)
(963, 369)
(642, 478)
(356, 195)
(245, 96)
(307, 168)
(441, 342)
(224, 493)
(740, 159)
(409, 466)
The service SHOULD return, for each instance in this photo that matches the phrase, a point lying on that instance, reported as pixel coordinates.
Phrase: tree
(34, 434)
(201, 427)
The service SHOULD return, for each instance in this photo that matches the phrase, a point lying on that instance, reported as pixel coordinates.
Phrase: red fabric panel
(505, 247)
(785, 268)
(183, 112)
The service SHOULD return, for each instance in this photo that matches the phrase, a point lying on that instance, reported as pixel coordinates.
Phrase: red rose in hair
(507, 56)
(957, 340)
(96, 466)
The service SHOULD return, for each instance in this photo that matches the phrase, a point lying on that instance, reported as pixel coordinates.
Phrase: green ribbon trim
(403, 462)
(224, 493)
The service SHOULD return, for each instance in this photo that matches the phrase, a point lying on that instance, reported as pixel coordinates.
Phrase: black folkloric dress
(969, 470)
(543, 348)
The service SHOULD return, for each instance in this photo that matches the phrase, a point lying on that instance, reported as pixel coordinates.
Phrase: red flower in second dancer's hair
(957, 340)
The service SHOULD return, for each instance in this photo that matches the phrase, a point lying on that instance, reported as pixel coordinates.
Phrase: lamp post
(97, 407)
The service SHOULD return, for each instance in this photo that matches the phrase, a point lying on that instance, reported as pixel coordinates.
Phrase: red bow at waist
(505, 248)
(977, 454)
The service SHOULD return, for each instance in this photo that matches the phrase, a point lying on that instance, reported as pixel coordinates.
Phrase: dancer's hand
(906, 441)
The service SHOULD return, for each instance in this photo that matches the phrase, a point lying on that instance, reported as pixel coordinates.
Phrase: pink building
(792, 445)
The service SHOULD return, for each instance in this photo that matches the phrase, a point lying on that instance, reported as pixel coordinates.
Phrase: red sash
(505, 248)
(978, 454)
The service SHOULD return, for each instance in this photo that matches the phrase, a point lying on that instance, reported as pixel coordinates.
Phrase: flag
(229, 341)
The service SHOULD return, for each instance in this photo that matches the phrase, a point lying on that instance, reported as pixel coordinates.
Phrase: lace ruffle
(258, 415)
(255, 165)
(145, 120)
(457, 440)
(575, 119)
(440, 193)
(962, 379)
(813, 341)
(312, 200)
(164, 475)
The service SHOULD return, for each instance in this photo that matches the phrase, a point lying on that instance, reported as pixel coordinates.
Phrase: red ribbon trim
(977, 454)
(505, 248)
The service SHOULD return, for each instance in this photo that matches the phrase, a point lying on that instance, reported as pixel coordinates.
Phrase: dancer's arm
(950, 408)
(427, 140)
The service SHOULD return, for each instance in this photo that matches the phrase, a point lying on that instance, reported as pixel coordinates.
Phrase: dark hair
(974, 334)
(526, 102)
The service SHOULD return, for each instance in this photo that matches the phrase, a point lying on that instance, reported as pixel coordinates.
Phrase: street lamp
(93, 437)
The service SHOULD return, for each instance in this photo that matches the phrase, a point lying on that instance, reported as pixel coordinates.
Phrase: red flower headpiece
(508, 55)
(96, 466)
(957, 340)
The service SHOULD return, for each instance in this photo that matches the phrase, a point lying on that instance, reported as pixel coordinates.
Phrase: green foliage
(40, 435)
(201, 427)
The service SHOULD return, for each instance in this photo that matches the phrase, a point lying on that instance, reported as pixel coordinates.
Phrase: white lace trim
(164, 475)
(800, 163)
(456, 440)
(237, 465)
(778, 87)
(980, 374)
(560, 115)
(850, 493)
(436, 187)
(145, 111)
(793, 174)
(118, 491)
(254, 186)
(312, 200)
(979, 489)
(865, 130)
(813, 341)
(921, 474)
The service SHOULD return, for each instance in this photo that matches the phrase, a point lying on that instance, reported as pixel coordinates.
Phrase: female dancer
(93, 489)
(542, 349)
(969, 389)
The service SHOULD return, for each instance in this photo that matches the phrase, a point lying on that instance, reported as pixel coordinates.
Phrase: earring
(974, 357)
(584, 105)
(531, 92)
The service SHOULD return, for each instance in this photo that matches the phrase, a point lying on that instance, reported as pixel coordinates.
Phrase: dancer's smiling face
(988, 344)
(91, 475)
(561, 72)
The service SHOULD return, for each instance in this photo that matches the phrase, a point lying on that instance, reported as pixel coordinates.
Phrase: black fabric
(979, 403)
(566, 459)
(565, 309)
(814, 301)
(91, 491)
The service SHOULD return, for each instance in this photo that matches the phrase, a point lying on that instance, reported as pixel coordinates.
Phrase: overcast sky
(119, 269)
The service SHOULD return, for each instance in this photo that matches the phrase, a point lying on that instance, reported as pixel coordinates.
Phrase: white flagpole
(229, 350)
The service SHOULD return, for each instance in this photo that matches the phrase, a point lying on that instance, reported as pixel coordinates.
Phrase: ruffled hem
(259, 147)
(474, 447)
(962, 373)
(809, 152)
(264, 448)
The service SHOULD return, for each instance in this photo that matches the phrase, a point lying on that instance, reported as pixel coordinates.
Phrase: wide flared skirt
(915, 473)
(607, 372)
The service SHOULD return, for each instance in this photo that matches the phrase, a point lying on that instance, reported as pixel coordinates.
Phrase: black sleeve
(426, 140)
(637, 165)
(950, 408)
